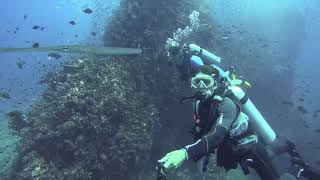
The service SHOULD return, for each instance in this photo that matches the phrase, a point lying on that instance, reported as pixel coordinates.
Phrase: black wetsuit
(215, 119)
(224, 114)
(217, 138)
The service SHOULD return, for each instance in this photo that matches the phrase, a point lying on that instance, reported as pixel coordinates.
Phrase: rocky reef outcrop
(89, 124)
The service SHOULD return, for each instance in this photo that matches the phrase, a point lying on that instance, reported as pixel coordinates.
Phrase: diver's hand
(174, 159)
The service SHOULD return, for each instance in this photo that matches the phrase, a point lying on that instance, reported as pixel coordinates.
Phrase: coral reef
(89, 124)
(7, 148)
(17, 120)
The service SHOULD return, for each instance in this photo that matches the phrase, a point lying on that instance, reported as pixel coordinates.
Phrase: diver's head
(205, 82)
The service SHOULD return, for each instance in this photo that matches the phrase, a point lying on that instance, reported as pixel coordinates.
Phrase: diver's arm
(208, 143)
(300, 167)
(311, 173)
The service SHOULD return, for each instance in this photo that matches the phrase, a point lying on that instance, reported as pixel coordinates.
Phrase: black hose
(160, 172)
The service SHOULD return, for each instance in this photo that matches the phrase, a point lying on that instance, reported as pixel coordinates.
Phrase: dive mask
(203, 85)
(202, 82)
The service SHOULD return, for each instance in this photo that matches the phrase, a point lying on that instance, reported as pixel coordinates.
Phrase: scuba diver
(228, 124)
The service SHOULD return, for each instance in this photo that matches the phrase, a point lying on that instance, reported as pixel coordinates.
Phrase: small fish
(20, 63)
(35, 27)
(317, 130)
(72, 23)
(317, 147)
(241, 32)
(42, 28)
(288, 103)
(93, 33)
(302, 109)
(5, 95)
(54, 55)
(301, 99)
(35, 45)
(76, 35)
(264, 45)
(225, 38)
(87, 11)
(25, 17)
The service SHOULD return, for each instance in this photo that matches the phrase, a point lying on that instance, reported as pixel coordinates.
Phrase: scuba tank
(262, 127)
(204, 53)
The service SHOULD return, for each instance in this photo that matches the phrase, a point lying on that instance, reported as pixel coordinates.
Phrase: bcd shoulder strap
(211, 121)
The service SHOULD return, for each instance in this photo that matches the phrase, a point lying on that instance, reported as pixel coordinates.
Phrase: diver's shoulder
(227, 99)
(227, 102)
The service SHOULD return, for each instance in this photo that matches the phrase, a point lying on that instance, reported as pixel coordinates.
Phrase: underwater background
(89, 116)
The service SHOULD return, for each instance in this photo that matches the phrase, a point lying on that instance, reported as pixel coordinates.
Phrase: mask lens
(207, 82)
(202, 82)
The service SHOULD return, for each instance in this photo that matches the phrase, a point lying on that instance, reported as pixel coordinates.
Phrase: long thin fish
(78, 49)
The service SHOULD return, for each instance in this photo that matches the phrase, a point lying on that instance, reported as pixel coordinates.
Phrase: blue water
(296, 22)
(54, 16)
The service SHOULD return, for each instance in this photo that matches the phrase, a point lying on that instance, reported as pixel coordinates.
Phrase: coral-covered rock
(88, 124)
